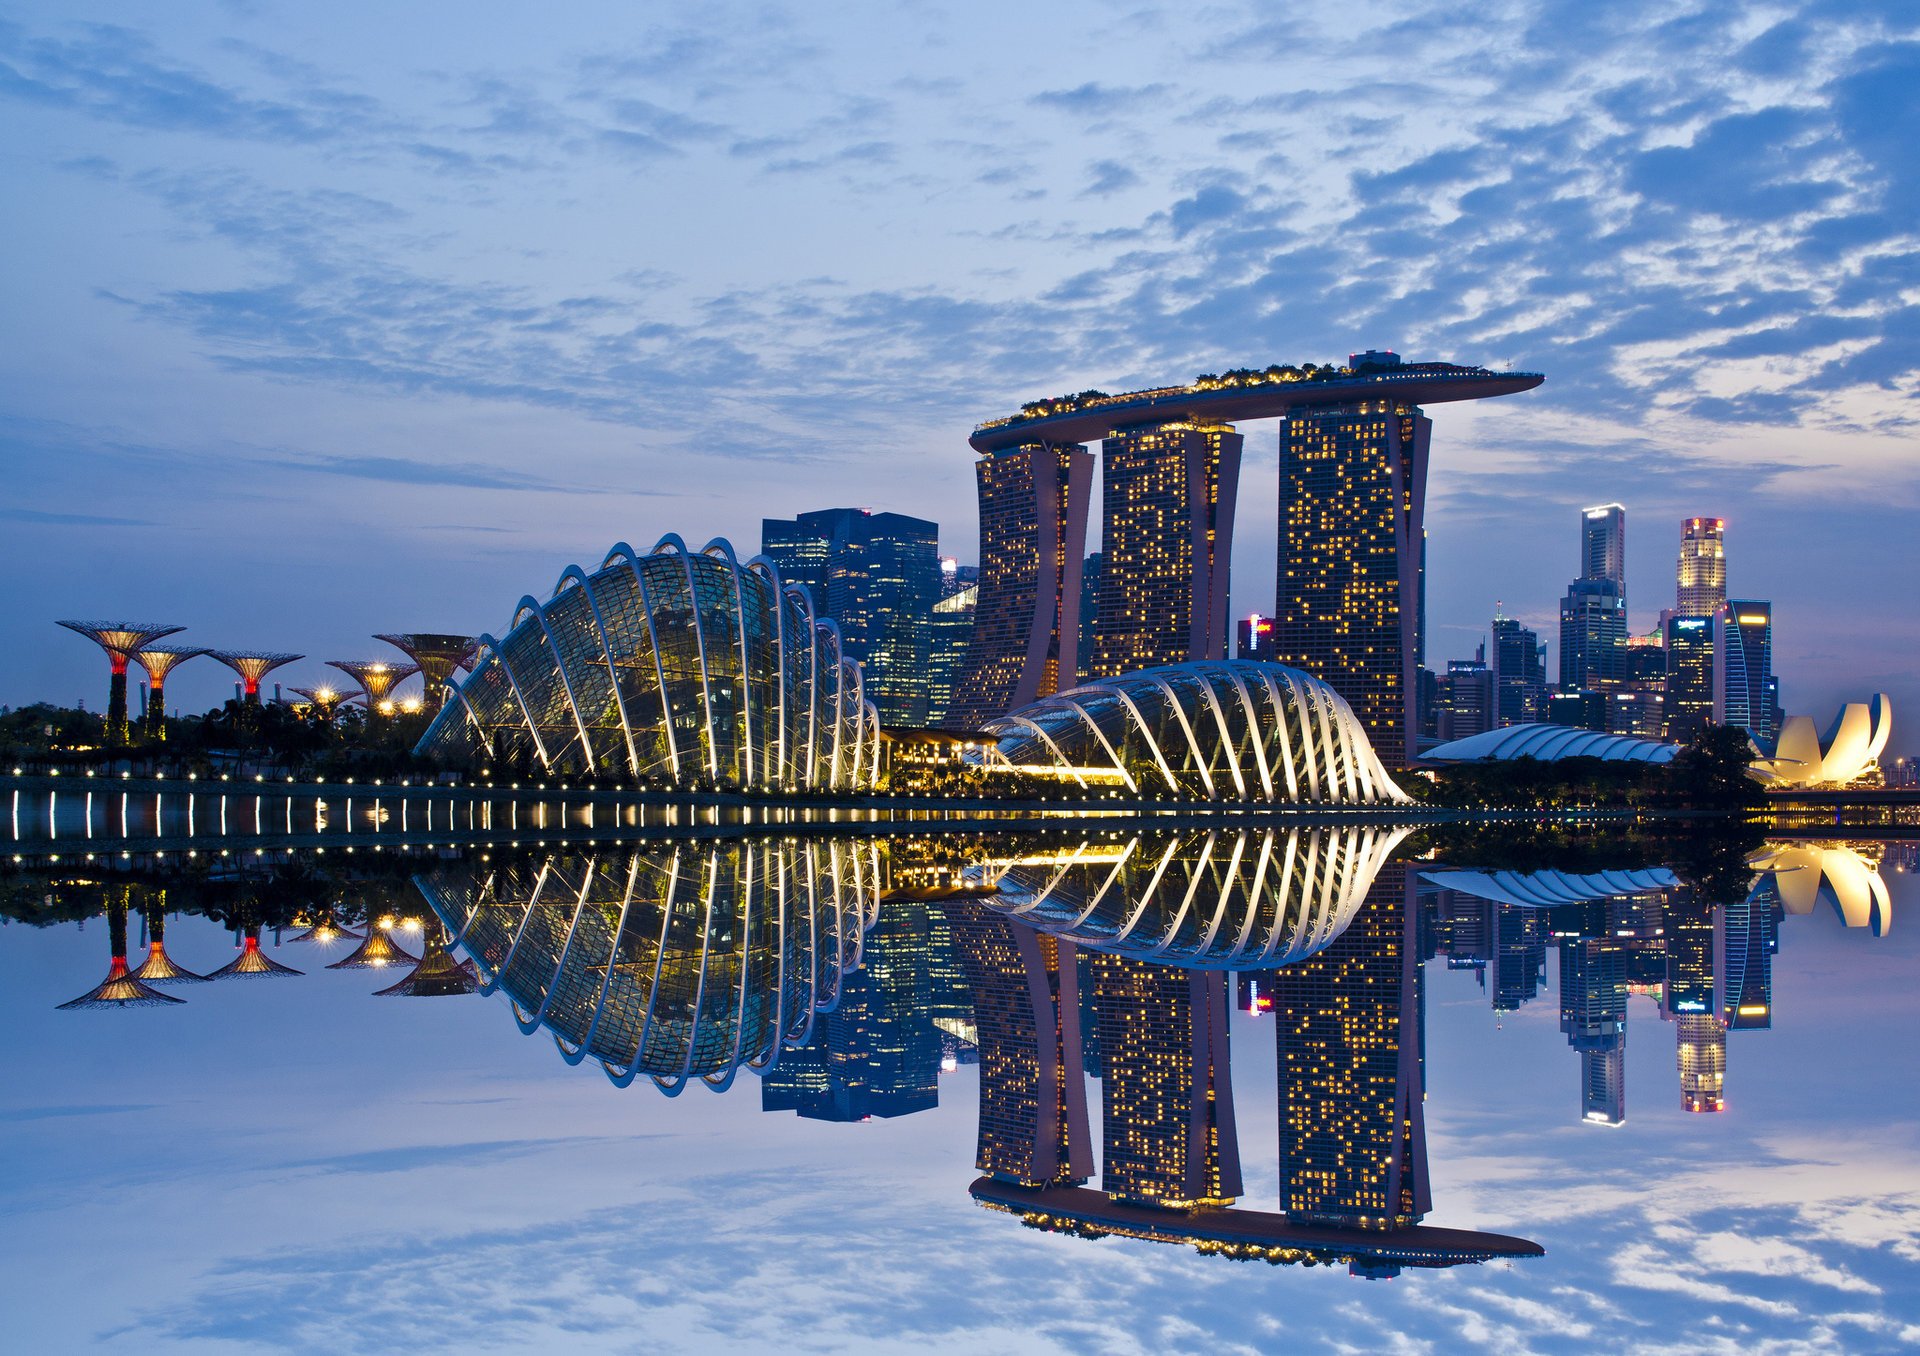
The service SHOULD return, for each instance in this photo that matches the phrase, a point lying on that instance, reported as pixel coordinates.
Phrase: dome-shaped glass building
(1208, 730)
(676, 665)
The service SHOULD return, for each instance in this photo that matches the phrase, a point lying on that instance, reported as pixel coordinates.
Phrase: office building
(1167, 499)
(1603, 544)
(1466, 698)
(1033, 532)
(1091, 570)
(1593, 1017)
(949, 636)
(1689, 686)
(1702, 574)
(1519, 672)
(1593, 635)
(1639, 709)
(1745, 693)
(1581, 709)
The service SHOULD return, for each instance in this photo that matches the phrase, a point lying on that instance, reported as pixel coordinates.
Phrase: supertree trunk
(156, 725)
(117, 702)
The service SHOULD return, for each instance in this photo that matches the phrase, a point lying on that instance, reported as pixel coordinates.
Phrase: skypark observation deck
(1235, 397)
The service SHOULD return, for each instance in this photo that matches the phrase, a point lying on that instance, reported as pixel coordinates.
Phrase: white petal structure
(1807, 874)
(682, 965)
(1851, 749)
(677, 665)
(1219, 900)
(1219, 730)
(1547, 743)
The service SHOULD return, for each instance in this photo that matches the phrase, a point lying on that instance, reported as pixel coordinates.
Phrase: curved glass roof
(1549, 742)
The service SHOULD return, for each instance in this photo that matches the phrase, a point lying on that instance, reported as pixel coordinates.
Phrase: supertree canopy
(120, 640)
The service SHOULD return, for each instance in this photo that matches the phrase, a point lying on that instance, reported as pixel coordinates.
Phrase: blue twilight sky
(293, 1166)
(320, 321)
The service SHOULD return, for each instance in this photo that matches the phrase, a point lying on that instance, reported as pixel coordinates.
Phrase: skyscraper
(1519, 673)
(1090, 571)
(1353, 1144)
(1167, 497)
(1689, 675)
(1033, 532)
(1466, 698)
(1352, 500)
(877, 575)
(1603, 544)
(1167, 1125)
(1593, 635)
(951, 632)
(1702, 573)
(1743, 683)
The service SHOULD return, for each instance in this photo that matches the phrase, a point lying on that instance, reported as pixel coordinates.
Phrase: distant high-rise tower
(1353, 1144)
(1166, 1119)
(1689, 648)
(1593, 635)
(1466, 697)
(1352, 502)
(1702, 575)
(1603, 544)
(1700, 1053)
(1519, 673)
(1743, 682)
(1167, 496)
(952, 633)
(1090, 571)
(1033, 534)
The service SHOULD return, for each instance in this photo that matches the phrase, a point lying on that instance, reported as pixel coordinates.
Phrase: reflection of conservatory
(679, 665)
(1213, 730)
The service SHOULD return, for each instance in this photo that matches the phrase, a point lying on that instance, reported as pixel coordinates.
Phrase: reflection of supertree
(378, 677)
(438, 975)
(252, 666)
(158, 664)
(120, 989)
(376, 951)
(119, 640)
(435, 657)
(159, 967)
(323, 928)
(252, 960)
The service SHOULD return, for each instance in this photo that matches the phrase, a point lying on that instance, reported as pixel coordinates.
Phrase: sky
(292, 1166)
(321, 322)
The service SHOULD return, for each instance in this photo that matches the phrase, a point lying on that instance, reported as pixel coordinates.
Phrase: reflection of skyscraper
(1701, 577)
(1593, 1015)
(1352, 500)
(1033, 531)
(1519, 966)
(1033, 1095)
(1353, 1148)
(1167, 496)
(877, 1053)
(1167, 1126)
(1695, 945)
(1701, 1056)
(1748, 934)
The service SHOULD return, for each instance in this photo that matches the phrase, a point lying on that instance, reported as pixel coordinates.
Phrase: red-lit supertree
(119, 640)
(252, 960)
(436, 657)
(120, 989)
(252, 666)
(159, 663)
(378, 677)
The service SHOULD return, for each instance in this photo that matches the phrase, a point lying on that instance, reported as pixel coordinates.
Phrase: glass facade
(676, 666)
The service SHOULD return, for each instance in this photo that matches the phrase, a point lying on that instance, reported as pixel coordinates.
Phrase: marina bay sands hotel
(1354, 447)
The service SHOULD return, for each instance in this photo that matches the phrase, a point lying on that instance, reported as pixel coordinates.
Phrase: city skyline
(222, 256)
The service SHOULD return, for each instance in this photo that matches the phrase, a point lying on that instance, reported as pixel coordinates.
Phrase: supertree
(438, 975)
(436, 657)
(252, 666)
(252, 960)
(159, 967)
(378, 678)
(120, 989)
(120, 640)
(322, 928)
(158, 664)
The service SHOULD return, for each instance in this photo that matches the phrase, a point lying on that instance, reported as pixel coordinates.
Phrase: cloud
(463, 475)
(23, 515)
(1094, 99)
(1108, 177)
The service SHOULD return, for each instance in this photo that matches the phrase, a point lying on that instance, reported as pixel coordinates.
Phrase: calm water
(811, 1091)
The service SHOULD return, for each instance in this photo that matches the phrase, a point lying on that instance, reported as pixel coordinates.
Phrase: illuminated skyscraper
(1033, 533)
(949, 635)
(1748, 934)
(1352, 499)
(1702, 574)
(1744, 688)
(1466, 697)
(1033, 1091)
(1167, 496)
(1689, 695)
(1166, 1119)
(1603, 544)
(1593, 635)
(1353, 1145)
